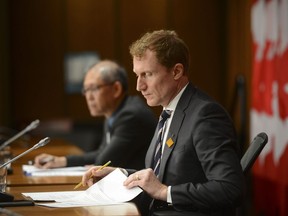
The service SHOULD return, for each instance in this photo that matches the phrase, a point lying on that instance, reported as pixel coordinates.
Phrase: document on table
(30, 170)
(107, 191)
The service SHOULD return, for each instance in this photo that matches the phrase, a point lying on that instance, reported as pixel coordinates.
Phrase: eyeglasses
(94, 89)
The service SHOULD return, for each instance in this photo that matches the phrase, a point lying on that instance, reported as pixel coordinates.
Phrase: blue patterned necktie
(158, 152)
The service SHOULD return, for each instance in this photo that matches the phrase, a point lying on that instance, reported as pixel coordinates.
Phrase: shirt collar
(111, 119)
(172, 105)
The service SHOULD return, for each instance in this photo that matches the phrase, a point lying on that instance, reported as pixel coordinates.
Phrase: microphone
(37, 145)
(30, 127)
(5, 197)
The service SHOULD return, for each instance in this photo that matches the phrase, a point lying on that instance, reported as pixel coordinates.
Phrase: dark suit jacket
(203, 164)
(130, 134)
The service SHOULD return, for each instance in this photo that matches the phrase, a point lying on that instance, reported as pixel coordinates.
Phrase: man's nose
(140, 86)
(89, 95)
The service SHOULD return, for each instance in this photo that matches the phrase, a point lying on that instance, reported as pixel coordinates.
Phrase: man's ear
(118, 89)
(178, 71)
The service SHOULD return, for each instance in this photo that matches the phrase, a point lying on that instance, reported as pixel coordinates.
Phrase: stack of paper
(30, 170)
(107, 191)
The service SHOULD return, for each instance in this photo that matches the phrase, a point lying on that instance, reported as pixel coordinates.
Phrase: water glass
(3, 177)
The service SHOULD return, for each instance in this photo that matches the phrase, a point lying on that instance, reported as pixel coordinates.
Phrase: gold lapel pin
(169, 142)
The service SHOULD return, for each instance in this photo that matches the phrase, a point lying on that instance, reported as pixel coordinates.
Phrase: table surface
(18, 183)
(121, 209)
(17, 178)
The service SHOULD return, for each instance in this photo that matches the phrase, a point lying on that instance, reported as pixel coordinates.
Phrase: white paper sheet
(107, 191)
(30, 170)
(51, 196)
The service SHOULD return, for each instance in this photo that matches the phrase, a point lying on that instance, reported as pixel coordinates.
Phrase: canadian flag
(269, 111)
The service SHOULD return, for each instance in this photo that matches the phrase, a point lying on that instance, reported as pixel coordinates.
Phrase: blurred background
(39, 38)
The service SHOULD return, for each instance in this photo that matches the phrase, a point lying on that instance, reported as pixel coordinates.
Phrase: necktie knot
(165, 115)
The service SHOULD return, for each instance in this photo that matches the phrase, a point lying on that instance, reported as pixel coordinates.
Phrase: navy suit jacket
(202, 165)
(130, 134)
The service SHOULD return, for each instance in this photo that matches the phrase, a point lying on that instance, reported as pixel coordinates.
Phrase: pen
(102, 167)
(43, 161)
(46, 160)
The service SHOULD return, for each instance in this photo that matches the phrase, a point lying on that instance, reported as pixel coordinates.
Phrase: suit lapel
(150, 151)
(175, 126)
(173, 135)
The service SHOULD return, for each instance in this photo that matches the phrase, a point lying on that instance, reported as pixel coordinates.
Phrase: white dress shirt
(171, 106)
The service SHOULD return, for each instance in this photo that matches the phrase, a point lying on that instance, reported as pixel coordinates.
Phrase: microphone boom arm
(31, 126)
(37, 145)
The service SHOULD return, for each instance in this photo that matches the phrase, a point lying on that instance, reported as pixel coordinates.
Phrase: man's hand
(94, 174)
(45, 161)
(147, 180)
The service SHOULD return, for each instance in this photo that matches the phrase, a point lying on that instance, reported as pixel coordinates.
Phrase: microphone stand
(39, 144)
(5, 197)
(32, 126)
(7, 154)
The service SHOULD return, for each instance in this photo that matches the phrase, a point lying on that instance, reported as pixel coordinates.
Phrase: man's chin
(94, 114)
(151, 103)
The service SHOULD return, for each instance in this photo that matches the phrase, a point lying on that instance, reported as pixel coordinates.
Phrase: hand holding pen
(95, 171)
(45, 161)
